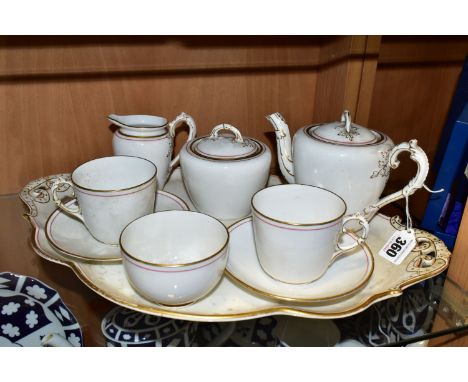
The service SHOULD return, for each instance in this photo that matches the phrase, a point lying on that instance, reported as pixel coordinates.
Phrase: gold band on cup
(118, 190)
(174, 265)
(292, 223)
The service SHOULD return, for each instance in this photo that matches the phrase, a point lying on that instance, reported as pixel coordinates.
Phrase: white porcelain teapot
(348, 159)
(150, 137)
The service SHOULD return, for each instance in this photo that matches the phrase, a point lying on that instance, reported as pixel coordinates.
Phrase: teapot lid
(344, 133)
(225, 147)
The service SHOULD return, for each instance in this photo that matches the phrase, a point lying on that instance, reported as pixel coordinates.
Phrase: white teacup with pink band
(297, 230)
(174, 257)
(111, 192)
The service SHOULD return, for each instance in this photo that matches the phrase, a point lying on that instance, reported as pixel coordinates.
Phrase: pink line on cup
(176, 271)
(106, 195)
(294, 229)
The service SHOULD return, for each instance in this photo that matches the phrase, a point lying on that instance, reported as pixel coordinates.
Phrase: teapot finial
(346, 118)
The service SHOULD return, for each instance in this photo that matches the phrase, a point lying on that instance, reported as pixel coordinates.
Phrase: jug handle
(416, 154)
(182, 117)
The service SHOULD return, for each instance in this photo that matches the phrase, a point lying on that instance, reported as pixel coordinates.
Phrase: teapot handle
(226, 126)
(416, 154)
(182, 117)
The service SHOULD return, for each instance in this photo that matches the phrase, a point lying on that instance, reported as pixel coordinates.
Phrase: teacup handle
(181, 118)
(416, 154)
(72, 211)
(358, 239)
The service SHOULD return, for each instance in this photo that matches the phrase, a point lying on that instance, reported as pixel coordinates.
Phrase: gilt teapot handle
(416, 154)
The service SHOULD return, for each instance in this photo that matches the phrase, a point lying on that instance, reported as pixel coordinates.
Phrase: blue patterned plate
(125, 327)
(31, 310)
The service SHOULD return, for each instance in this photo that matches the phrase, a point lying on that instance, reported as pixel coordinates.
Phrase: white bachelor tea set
(174, 257)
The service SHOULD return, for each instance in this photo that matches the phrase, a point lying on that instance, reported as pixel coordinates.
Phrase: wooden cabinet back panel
(50, 127)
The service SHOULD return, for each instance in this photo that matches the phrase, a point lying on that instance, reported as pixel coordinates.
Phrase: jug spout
(283, 142)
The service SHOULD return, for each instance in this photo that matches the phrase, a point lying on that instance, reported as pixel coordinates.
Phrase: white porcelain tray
(229, 301)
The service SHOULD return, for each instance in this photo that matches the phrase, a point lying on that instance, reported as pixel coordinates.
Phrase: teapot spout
(283, 142)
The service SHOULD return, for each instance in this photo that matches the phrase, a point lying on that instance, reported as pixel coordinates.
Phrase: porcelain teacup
(298, 230)
(111, 192)
(174, 258)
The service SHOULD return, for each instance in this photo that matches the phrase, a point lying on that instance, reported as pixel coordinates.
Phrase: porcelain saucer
(349, 273)
(31, 311)
(71, 238)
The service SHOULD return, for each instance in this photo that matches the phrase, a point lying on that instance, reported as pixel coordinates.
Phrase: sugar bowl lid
(223, 147)
(344, 133)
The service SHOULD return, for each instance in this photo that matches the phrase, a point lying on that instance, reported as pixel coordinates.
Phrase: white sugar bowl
(222, 172)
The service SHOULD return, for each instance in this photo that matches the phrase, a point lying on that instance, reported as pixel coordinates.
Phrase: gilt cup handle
(357, 238)
(181, 118)
(75, 211)
(361, 238)
(416, 154)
